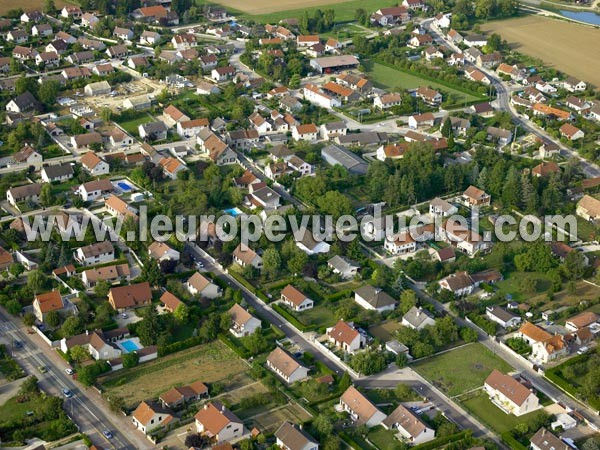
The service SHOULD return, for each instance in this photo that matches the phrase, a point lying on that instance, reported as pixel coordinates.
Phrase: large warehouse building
(330, 64)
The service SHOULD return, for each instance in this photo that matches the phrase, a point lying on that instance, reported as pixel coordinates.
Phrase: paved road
(524, 367)
(85, 407)
(503, 91)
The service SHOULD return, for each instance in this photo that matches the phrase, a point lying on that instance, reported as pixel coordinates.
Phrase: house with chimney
(360, 408)
(345, 336)
(131, 296)
(409, 425)
(418, 318)
(242, 322)
(544, 440)
(510, 395)
(474, 196)
(218, 423)
(545, 347)
(151, 416)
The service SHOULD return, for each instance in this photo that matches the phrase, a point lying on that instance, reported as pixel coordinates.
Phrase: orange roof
(359, 404)
(293, 295)
(583, 320)
(90, 160)
(49, 301)
(309, 38)
(214, 417)
(534, 332)
(119, 206)
(550, 111)
(145, 412)
(170, 165)
(306, 128)
(5, 257)
(508, 386)
(170, 301)
(338, 89)
(173, 112)
(343, 332)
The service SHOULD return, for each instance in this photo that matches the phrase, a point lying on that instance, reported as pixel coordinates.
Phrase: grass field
(481, 407)
(30, 5)
(209, 363)
(385, 331)
(388, 78)
(543, 38)
(461, 370)
(268, 11)
(131, 126)
(518, 284)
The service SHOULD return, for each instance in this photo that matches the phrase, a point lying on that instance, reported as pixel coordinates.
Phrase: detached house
(346, 337)
(361, 410)
(94, 165)
(510, 395)
(149, 416)
(58, 172)
(474, 196)
(295, 299)
(47, 302)
(28, 192)
(217, 422)
(588, 208)
(93, 190)
(572, 84)
(98, 253)
(242, 322)
(545, 346)
(180, 395)
(220, 74)
(131, 296)
(286, 366)
(501, 316)
(571, 132)
(418, 318)
(245, 256)
(373, 298)
(198, 284)
(409, 426)
(544, 440)
(161, 251)
(289, 437)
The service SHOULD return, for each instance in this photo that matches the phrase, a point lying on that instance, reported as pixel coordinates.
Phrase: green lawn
(492, 416)
(381, 437)
(344, 31)
(131, 126)
(388, 78)
(344, 12)
(524, 285)
(461, 370)
(319, 316)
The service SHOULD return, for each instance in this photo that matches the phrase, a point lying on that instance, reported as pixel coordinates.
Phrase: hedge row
(242, 353)
(338, 295)
(353, 444)
(439, 442)
(164, 350)
(289, 317)
(510, 440)
(240, 279)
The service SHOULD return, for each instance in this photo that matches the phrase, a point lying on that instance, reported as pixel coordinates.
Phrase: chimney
(87, 332)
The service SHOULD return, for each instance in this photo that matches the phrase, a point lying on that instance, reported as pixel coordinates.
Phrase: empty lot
(208, 363)
(544, 38)
(30, 5)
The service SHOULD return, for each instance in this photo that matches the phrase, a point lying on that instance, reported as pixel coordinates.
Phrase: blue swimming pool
(129, 346)
(233, 211)
(124, 186)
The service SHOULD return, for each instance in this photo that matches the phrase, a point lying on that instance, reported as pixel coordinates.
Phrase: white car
(583, 350)
(69, 371)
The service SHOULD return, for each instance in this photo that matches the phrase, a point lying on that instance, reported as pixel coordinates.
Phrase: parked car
(583, 350)
(69, 371)
(67, 393)
(107, 434)
(42, 369)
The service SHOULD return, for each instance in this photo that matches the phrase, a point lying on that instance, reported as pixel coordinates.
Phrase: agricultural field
(388, 78)
(543, 38)
(209, 363)
(461, 370)
(268, 11)
(30, 5)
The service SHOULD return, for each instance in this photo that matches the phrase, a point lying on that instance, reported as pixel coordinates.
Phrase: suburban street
(86, 408)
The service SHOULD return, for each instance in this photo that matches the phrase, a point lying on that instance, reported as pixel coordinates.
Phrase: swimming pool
(125, 187)
(129, 346)
(233, 211)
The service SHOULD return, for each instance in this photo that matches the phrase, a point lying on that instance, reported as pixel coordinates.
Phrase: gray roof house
(374, 298)
(343, 266)
(57, 172)
(335, 154)
(417, 318)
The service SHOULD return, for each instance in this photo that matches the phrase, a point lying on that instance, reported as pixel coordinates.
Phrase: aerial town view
(300, 225)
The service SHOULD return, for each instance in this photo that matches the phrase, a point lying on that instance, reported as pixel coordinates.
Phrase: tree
(323, 425)
(368, 362)
(130, 360)
(271, 262)
(182, 313)
(47, 92)
(36, 280)
(468, 334)
(401, 360)
(101, 289)
(46, 196)
(194, 440)
(49, 7)
(573, 267)
(13, 307)
(25, 84)
(71, 326)
(345, 382)
(16, 269)
(116, 404)
(408, 299)
(52, 319)
(79, 354)
(29, 319)
(446, 128)
(152, 274)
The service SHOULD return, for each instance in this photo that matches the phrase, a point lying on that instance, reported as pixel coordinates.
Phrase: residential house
(345, 336)
(172, 166)
(198, 284)
(306, 132)
(245, 256)
(6, 259)
(26, 193)
(217, 422)
(181, 395)
(309, 244)
(432, 53)
(344, 267)
(572, 84)
(150, 38)
(581, 320)
(97, 88)
(459, 283)
(85, 141)
(242, 322)
(499, 135)
(509, 394)
(26, 156)
(588, 208)
(153, 131)
(286, 366)
(360, 408)
(42, 30)
(161, 251)
(489, 60)
(289, 437)
(421, 120)
(94, 165)
(190, 128)
(429, 96)
(98, 253)
(112, 274)
(17, 36)
(89, 20)
(170, 302)
(47, 302)
(409, 425)
(22, 103)
(131, 296)
(544, 440)
(72, 12)
(387, 101)
(501, 316)
(374, 298)
(295, 299)
(418, 318)
(149, 416)
(317, 97)
(125, 34)
(474, 196)
(545, 346)
(441, 208)
(331, 130)
(117, 51)
(220, 74)
(545, 169)
(390, 16)
(57, 172)
(549, 149)
(571, 132)
(477, 75)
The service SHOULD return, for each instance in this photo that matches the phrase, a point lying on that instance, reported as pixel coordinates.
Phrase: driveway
(131, 318)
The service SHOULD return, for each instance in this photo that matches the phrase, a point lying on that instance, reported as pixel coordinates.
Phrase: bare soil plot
(209, 363)
(569, 47)
(270, 421)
